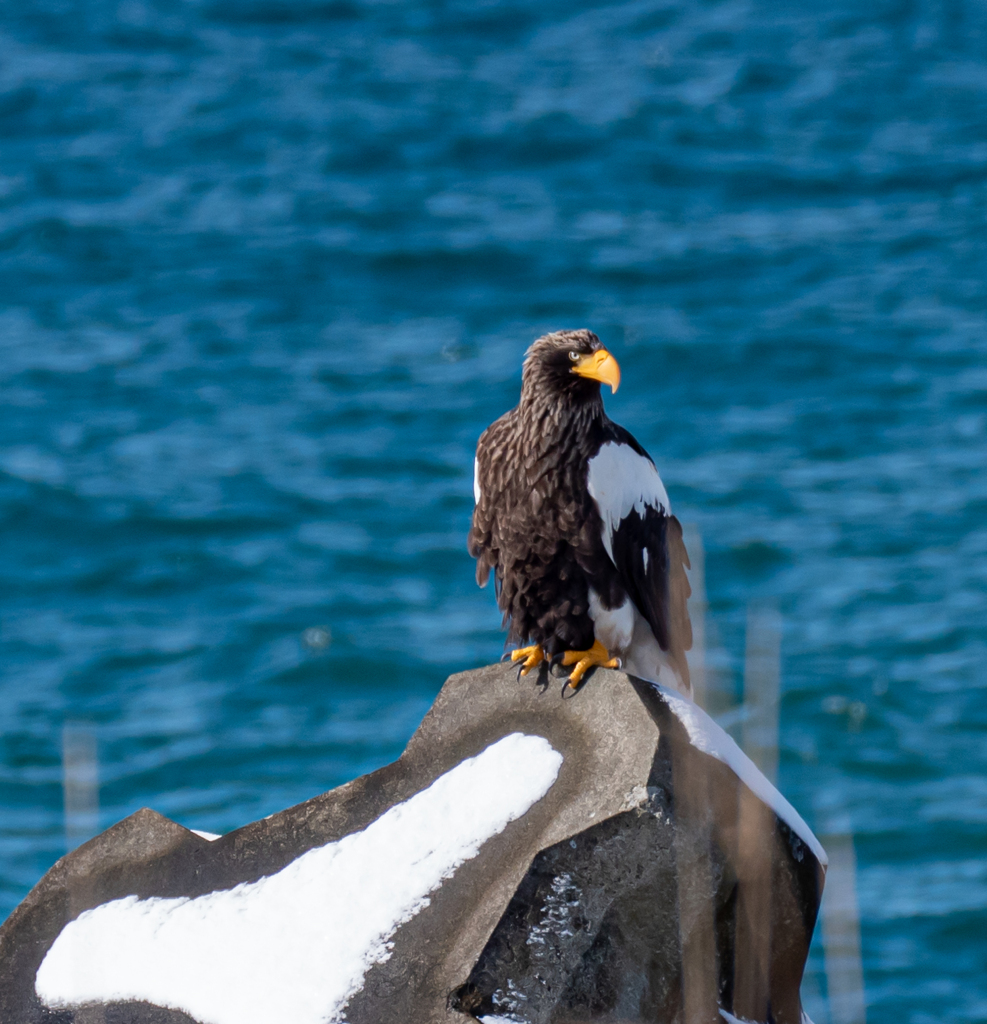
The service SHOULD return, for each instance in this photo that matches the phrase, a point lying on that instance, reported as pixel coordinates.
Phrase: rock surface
(632, 878)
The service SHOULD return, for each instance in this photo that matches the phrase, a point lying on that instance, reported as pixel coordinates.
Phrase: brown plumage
(573, 521)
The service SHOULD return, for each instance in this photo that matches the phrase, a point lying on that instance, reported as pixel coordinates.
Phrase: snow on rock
(707, 736)
(295, 946)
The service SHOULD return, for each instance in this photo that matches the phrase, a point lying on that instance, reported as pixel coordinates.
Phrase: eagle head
(569, 364)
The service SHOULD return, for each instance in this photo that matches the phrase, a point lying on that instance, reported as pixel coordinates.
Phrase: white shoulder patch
(476, 480)
(619, 481)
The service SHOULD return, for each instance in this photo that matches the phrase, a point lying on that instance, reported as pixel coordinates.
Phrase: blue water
(267, 269)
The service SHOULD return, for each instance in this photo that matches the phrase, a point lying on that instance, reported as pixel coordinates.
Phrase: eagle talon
(585, 660)
(531, 656)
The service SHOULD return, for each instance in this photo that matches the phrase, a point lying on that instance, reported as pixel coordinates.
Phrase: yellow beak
(600, 366)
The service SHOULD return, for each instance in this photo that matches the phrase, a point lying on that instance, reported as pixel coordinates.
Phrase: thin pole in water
(762, 685)
(80, 783)
(697, 613)
(756, 821)
(841, 932)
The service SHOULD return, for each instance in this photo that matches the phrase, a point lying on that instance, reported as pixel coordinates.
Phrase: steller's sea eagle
(573, 519)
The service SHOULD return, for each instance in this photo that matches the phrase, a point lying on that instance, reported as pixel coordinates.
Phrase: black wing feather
(651, 559)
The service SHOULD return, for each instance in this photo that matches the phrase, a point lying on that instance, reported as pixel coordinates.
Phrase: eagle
(573, 520)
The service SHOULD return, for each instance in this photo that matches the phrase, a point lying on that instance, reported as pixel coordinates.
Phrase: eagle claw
(532, 657)
(585, 660)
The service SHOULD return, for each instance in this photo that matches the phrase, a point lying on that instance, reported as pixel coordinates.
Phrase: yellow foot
(532, 656)
(585, 660)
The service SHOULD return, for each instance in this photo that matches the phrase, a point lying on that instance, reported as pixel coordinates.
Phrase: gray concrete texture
(649, 884)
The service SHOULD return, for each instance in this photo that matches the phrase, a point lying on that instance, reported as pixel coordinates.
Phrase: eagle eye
(574, 356)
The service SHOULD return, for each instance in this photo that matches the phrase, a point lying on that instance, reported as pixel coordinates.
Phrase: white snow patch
(294, 947)
(211, 836)
(708, 737)
(619, 481)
